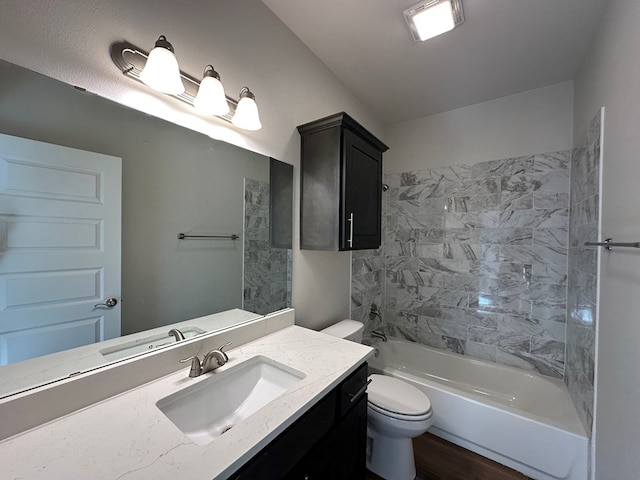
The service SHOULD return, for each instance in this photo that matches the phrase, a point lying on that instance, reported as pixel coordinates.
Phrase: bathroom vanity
(329, 441)
(317, 423)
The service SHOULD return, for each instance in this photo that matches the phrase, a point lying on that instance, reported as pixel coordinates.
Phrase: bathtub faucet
(374, 312)
(380, 335)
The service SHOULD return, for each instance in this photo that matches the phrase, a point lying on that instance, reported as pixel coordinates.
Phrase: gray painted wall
(539, 120)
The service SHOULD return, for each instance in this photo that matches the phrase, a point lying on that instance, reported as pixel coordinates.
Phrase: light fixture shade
(161, 72)
(211, 99)
(431, 18)
(246, 116)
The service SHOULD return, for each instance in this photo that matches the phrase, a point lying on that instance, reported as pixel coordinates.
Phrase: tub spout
(380, 335)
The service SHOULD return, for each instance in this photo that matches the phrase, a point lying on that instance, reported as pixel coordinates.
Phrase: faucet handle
(196, 366)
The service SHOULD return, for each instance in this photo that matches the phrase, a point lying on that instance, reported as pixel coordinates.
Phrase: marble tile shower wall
(475, 259)
(267, 281)
(367, 275)
(583, 269)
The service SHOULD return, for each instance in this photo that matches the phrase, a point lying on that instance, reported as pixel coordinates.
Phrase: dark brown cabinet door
(362, 206)
(342, 454)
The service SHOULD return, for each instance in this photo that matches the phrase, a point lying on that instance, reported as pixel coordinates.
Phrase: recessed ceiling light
(431, 18)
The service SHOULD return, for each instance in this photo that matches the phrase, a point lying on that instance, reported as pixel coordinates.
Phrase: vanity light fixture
(206, 95)
(211, 99)
(431, 18)
(246, 115)
(161, 71)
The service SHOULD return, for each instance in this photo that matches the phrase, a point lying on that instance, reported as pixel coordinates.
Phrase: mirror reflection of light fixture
(246, 116)
(161, 72)
(431, 18)
(206, 95)
(211, 99)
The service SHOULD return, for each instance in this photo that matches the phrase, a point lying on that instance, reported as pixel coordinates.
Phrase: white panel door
(60, 212)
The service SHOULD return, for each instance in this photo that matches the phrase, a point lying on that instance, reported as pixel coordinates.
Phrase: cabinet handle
(350, 241)
(360, 392)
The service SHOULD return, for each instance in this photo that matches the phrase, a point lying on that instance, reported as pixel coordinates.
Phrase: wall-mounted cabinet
(341, 185)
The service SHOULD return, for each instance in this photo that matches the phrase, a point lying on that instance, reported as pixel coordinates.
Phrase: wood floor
(437, 459)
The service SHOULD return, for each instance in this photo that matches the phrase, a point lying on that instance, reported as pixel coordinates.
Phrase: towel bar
(182, 236)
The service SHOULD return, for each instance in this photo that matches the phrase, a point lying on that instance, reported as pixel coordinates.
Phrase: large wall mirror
(235, 256)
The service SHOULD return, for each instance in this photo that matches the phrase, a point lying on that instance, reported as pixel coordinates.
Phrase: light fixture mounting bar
(130, 60)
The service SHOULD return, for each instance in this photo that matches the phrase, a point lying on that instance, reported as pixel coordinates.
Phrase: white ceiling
(503, 47)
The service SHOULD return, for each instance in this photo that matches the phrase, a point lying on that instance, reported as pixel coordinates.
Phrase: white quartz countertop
(128, 437)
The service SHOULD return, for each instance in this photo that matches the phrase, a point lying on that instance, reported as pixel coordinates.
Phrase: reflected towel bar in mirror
(608, 244)
(183, 236)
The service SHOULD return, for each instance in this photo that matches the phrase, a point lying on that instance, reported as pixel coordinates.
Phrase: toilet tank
(347, 329)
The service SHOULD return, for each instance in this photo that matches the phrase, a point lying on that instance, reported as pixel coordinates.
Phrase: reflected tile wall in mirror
(475, 259)
(267, 281)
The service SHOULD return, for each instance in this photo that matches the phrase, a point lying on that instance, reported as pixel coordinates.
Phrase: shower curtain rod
(608, 244)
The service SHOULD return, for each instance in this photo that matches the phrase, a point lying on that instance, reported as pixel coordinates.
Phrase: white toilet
(396, 412)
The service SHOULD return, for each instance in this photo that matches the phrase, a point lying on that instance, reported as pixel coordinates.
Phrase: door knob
(111, 302)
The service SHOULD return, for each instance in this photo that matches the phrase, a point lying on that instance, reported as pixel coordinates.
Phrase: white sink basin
(206, 410)
(146, 344)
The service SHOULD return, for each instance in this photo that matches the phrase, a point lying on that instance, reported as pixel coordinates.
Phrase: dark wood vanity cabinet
(328, 442)
(341, 185)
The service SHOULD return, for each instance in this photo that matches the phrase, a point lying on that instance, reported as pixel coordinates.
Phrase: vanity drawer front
(352, 389)
(277, 459)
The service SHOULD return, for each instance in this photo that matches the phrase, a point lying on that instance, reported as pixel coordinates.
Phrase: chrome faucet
(178, 335)
(212, 360)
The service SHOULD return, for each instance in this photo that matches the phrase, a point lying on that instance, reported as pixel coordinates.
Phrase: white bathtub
(519, 419)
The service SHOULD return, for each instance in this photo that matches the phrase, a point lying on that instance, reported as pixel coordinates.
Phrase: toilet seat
(397, 399)
(400, 416)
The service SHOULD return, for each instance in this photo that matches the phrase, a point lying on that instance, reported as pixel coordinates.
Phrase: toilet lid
(396, 396)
